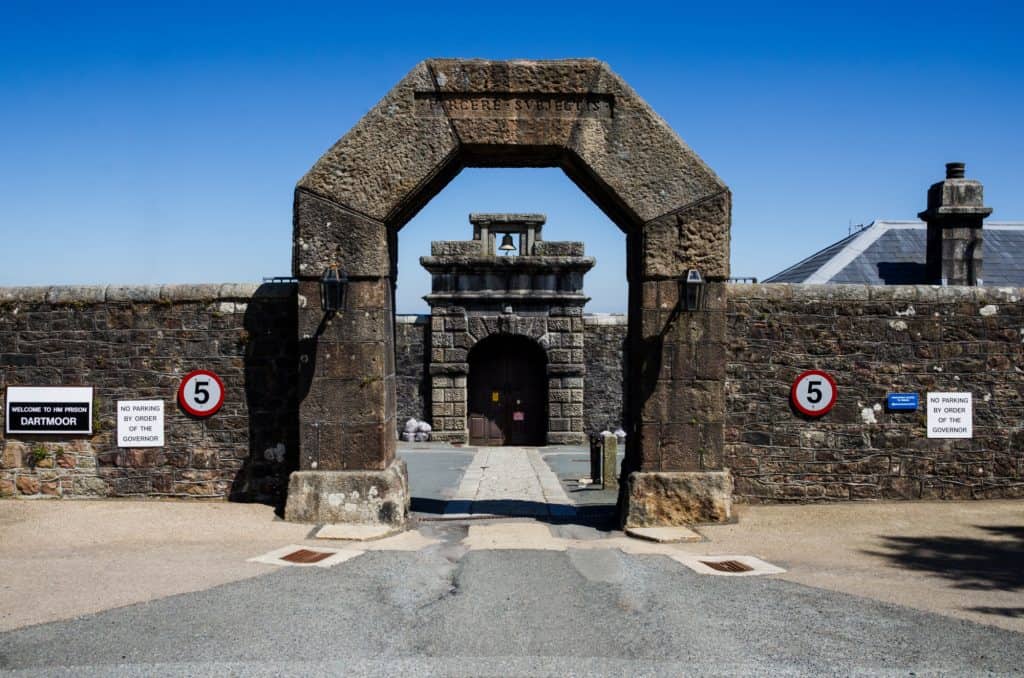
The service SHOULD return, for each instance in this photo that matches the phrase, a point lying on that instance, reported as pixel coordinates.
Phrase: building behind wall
(604, 339)
(948, 245)
(506, 361)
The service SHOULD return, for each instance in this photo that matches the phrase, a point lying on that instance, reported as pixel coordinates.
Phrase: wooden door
(486, 412)
(507, 398)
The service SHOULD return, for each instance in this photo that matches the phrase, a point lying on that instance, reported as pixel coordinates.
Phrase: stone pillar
(565, 404)
(681, 479)
(566, 374)
(449, 370)
(448, 403)
(677, 373)
(348, 472)
(683, 417)
(609, 453)
(954, 215)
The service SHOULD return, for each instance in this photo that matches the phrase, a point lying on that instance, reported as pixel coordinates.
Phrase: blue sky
(162, 144)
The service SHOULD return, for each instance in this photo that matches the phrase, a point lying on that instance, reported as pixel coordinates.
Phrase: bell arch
(447, 114)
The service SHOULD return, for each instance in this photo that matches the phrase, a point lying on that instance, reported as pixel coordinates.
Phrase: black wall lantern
(332, 290)
(691, 290)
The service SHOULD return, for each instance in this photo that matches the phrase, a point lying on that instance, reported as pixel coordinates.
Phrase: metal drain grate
(727, 565)
(305, 556)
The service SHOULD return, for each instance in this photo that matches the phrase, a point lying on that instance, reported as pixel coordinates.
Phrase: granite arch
(448, 114)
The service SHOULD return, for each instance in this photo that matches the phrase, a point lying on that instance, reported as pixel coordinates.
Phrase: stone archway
(447, 114)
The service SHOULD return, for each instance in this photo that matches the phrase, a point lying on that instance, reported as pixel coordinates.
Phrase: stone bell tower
(492, 288)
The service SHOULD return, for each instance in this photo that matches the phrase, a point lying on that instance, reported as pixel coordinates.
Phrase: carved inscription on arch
(513, 105)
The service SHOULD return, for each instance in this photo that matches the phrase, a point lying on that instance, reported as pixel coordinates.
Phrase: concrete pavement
(61, 559)
(964, 560)
(882, 587)
(441, 611)
(509, 481)
(449, 482)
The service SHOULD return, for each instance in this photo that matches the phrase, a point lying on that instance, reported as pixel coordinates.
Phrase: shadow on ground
(978, 564)
(600, 516)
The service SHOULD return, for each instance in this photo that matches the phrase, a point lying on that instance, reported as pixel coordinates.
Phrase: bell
(506, 243)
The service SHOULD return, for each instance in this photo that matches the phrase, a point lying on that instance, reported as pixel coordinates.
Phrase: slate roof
(893, 253)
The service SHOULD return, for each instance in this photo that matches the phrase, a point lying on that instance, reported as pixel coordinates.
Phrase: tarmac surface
(147, 587)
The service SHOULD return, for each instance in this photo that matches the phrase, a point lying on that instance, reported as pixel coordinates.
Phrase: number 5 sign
(201, 393)
(813, 393)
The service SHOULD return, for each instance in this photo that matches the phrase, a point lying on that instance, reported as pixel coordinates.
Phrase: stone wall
(136, 343)
(604, 350)
(412, 336)
(873, 340)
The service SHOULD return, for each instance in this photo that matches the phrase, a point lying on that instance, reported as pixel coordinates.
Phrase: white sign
(950, 415)
(201, 393)
(54, 410)
(140, 423)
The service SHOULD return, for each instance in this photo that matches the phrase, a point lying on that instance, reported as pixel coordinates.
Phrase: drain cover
(305, 556)
(727, 565)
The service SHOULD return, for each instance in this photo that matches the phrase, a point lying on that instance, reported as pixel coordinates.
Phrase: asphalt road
(446, 611)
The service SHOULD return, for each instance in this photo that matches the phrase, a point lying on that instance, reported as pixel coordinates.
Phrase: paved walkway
(509, 481)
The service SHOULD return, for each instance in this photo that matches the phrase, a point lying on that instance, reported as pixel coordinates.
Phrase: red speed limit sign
(813, 393)
(201, 393)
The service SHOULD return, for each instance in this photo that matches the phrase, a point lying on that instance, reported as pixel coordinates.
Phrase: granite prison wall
(873, 340)
(412, 353)
(603, 394)
(134, 343)
(137, 342)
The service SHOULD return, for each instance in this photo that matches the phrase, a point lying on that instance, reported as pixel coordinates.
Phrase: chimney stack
(954, 215)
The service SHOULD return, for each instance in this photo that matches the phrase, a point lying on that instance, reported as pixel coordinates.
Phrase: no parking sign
(201, 393)
(813, 393)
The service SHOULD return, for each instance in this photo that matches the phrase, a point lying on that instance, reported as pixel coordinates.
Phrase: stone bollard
(595, 458)
(609, 447)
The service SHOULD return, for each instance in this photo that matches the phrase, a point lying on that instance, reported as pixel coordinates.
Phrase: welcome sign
(54, 410)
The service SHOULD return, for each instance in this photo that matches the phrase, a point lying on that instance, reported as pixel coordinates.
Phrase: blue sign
(901, 401)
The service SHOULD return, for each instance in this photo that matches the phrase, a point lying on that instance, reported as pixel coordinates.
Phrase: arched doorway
(507, 396)
(449, 114)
